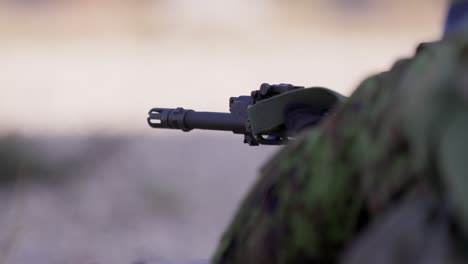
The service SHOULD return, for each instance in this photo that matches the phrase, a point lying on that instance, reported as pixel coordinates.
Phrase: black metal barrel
(186, 120)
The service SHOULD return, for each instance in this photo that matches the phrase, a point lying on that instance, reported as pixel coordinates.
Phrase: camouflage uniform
(384, 180)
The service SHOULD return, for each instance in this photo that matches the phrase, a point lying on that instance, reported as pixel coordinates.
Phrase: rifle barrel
(186, 120)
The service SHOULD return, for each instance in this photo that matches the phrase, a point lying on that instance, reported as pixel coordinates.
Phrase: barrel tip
(154, 118)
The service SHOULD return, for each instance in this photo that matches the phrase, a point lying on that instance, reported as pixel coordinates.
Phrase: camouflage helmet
(457, 15)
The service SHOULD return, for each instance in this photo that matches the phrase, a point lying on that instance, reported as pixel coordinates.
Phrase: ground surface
(134, 199)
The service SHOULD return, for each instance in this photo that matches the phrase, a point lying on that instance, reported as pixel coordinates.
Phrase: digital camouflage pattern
(383, 180)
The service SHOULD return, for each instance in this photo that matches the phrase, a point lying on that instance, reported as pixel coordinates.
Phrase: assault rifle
(269, 116)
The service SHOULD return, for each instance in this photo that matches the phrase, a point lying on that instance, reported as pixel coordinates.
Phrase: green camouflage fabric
(391, 163)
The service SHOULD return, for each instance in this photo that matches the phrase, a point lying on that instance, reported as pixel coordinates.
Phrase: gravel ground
(130, 199)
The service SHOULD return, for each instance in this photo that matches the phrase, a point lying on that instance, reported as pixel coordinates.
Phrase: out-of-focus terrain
(121, 199)
(86, 181)
(98, 65)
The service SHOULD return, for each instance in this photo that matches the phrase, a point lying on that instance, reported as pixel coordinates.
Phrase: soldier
(384, 180)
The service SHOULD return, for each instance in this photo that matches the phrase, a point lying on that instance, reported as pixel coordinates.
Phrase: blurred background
(85, 180)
